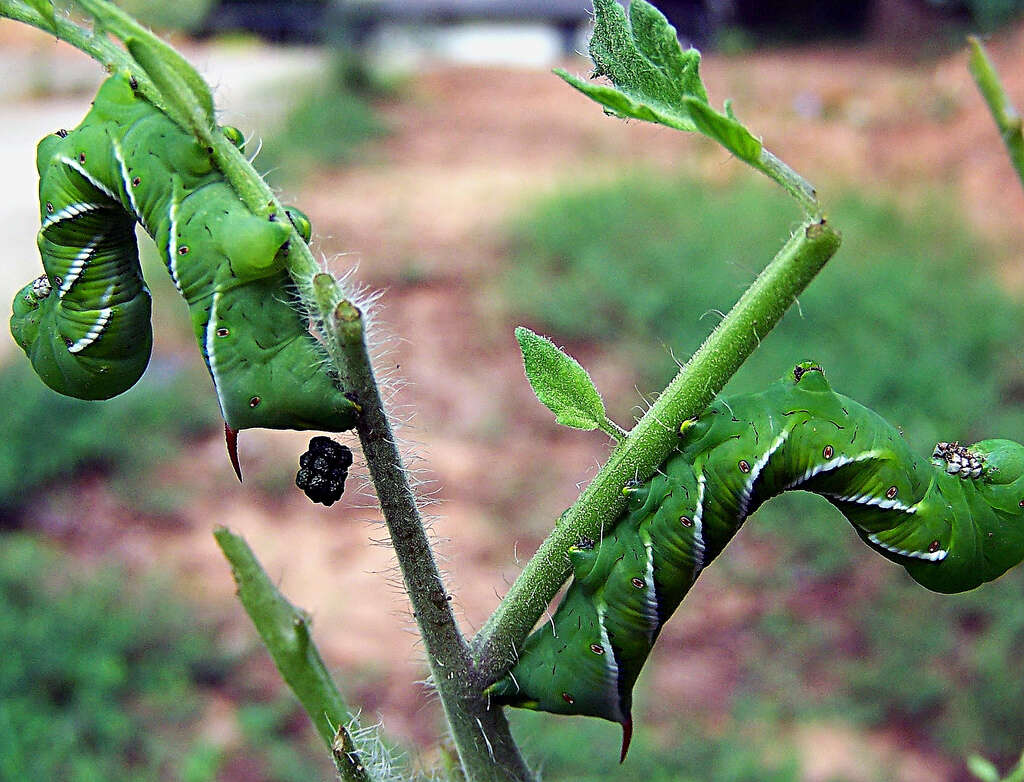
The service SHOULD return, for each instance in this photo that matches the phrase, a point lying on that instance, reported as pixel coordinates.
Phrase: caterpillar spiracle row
(85, 324)
(954, 521)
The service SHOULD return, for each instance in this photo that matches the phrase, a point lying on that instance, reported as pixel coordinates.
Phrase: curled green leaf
(560, 383)
(655, 80)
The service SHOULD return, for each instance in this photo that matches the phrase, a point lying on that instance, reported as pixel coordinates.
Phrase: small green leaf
(46, 9)
(653, 78)
(982, 769)
(560, 383)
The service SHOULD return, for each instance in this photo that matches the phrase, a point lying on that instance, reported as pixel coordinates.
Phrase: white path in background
(240, 79)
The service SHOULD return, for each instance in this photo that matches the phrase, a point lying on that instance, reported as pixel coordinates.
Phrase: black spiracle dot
(933, 547)
(254, 401)
(638, 583)
(49, 207)
(597, 648)
(81, 157)
(223, 332)
(744, 465)
(891, 492)
(827, 452)
(136, 181)
(568, 698)
(183, 250)
(686, 521)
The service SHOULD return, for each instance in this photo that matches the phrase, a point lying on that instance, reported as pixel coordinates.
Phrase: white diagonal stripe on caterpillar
(172, 242)
(610, 663)
(869, 499)
(127, 182)
(650, 594)
(698, 527)
(211, 361)
(78, 265)
(76, 166)
(98, 326)
(755, 472)
(70, 212)
(831, 464)
(930, 556)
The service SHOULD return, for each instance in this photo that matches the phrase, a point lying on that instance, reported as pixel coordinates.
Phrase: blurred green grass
(329, 122)
(106, 678)
(50, 438)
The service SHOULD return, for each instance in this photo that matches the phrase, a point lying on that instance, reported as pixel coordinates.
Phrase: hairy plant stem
(285, 632)
(652, 439)
(1008, 121)
(481, 735)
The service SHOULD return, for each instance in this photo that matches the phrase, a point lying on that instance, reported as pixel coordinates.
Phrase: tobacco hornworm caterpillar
(85, 324)
(954, 523)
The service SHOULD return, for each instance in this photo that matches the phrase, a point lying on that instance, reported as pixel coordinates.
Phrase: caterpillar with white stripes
(954, 522)
(85, 324)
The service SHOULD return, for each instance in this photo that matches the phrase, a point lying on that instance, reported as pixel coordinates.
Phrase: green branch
(481, 735)
(1007, 119)
(285, 632)
(653, 437)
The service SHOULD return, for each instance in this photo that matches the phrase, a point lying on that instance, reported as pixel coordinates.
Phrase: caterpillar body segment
(954, 521)
(87, 330)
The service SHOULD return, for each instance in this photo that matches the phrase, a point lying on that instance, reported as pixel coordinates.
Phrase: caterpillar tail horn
(627, 736)
(231, 440)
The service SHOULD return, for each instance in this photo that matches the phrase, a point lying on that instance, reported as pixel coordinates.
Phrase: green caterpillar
(954, 522)
(85, 324)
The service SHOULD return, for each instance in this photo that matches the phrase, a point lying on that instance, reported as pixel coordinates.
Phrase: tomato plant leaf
(560, 383)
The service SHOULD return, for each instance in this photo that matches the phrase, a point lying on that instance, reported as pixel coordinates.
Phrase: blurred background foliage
(180, 15)
(329, 121)
(51, 438)
(109, 678)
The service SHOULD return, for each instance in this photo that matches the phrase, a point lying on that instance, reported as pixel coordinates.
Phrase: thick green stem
(285, 632)
(1008, 121)
(653, 437)
(481, 735)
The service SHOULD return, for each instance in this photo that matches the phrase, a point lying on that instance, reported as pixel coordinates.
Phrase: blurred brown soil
(423, 217)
